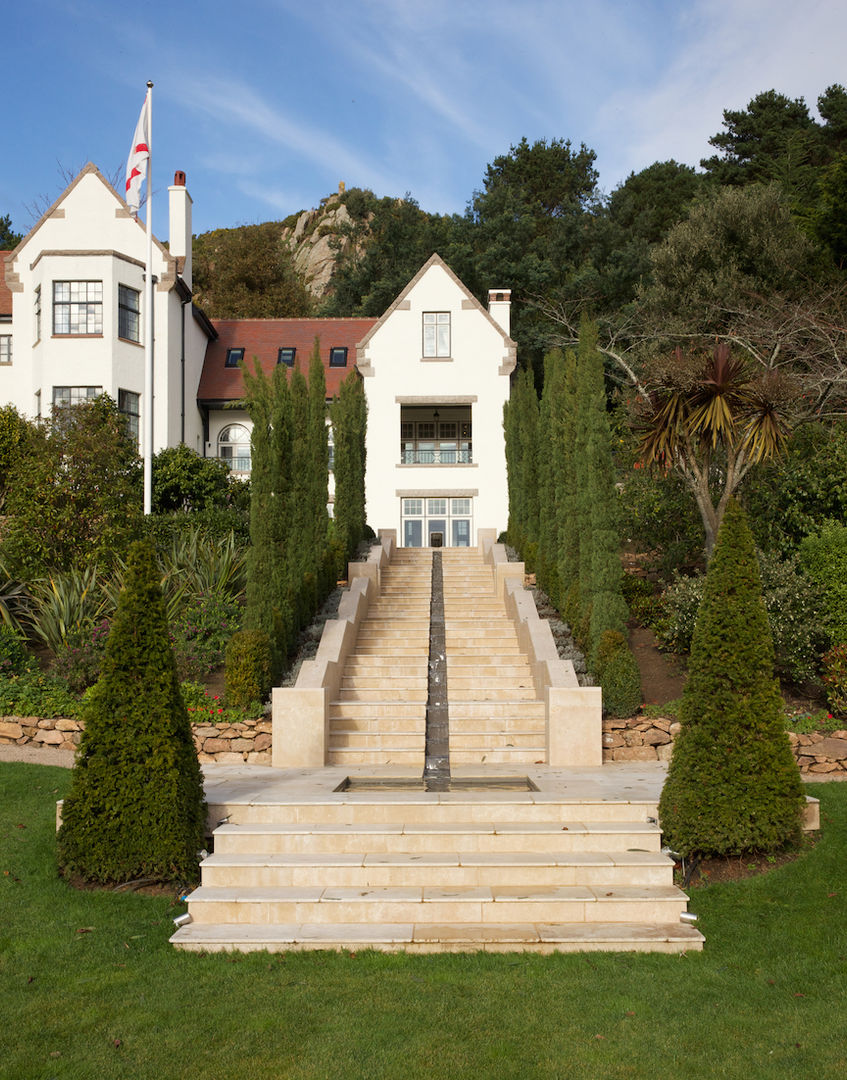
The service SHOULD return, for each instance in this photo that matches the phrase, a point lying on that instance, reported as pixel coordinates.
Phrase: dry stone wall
(638, 739)
(246, 742)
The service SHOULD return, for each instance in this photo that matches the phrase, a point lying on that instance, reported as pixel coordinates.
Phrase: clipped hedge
(248, 668)
(617, 672)
(135, 808)
(733, 785)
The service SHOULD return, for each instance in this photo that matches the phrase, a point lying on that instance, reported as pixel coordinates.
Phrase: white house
(436, 365)
(77, 286)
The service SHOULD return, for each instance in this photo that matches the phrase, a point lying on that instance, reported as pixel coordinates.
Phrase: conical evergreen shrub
(733, 785)
(135, 808)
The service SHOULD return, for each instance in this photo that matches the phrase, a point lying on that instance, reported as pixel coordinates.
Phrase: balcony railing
(238, 463)
(436, 457)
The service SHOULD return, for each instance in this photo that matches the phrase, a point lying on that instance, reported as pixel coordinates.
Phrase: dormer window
(286, 355)
(234, 357)
(338, 356)
(436, 333)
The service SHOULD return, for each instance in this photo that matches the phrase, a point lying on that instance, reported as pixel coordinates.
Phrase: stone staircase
(513, 866)
(379, 717)
(495, 714)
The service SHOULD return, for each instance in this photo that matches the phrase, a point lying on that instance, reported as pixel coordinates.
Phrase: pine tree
(733, 785)
(135, 808)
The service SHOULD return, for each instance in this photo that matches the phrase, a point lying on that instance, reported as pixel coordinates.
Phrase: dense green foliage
(291, 561)
(74, 492)
(349, 414)
(733, 785)
(182, 480)
(824, 557)
(135, 808)
(13, 435)
(618, 675)
(8, 237)
(248, 668)
(248, 273)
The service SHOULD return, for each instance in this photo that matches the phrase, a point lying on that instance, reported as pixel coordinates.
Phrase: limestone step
(393, 710)
(471, 710)
(551, 904)
(671, 937)
(373, 666)
(485, 741)
(500, 755)
(347, 739)
(602, 871)
(481, 692)
(393, 692)
(373, 725)
(505, 845)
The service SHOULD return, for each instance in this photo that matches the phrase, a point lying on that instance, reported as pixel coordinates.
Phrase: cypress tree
(135, 807)
(733, 785)
(349, 412)
(322, 566)
(566, 517)
(550, 471)
(268, 604)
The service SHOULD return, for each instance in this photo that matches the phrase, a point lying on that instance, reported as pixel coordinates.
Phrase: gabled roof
(263, 338)
(436, 260)
(89, 168)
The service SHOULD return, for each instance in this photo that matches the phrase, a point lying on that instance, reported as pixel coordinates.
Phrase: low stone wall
(637, 739)
(247, 742)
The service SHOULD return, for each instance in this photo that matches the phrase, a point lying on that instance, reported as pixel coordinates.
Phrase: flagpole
(148, 318)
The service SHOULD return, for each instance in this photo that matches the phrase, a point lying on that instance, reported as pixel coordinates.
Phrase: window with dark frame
(5, 348)
(286, 355)
(338, 356)
(74, 395)
(37, 313)
(129, 313)
(129, 405)
(77, 307)
(234, 357)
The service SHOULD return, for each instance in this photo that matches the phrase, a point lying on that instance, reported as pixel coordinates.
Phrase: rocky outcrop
(317, 240)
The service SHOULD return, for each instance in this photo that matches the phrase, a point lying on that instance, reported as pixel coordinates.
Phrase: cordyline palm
(710, 421)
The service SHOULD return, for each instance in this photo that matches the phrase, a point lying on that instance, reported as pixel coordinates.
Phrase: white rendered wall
(90, 236)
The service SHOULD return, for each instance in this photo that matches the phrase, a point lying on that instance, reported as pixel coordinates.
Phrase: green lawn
(765, 999)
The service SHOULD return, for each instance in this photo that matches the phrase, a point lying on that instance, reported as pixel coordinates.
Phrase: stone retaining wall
(637, 739)
(247, 742)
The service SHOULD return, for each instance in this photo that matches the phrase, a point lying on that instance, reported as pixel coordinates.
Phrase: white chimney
(499, 307)
(179, 205)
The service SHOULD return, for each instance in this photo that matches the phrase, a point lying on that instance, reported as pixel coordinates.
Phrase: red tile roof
(263, 338)
(5, 291)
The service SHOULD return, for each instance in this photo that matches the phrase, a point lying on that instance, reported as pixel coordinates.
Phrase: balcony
(436, 456)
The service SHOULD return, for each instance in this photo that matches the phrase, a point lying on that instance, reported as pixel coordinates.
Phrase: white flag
(139, 155)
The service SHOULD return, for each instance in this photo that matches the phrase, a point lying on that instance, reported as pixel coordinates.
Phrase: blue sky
(268, 104)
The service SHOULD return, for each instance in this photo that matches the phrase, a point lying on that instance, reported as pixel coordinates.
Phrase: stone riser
(404, 740)
(576, 910)
(485, 742)
(368, 725)
(543, 939)
(433, 810)
(488, 710)
(348, 758)
(371, 710)
(369, 692)
(233, 872)
(483, 691)
(506, 848)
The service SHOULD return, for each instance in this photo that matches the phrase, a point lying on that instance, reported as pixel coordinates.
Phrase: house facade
(436, 366)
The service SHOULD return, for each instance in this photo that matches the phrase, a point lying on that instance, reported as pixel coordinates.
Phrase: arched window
(234, 447)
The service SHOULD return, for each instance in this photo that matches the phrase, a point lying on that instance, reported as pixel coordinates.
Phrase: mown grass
(765, 999)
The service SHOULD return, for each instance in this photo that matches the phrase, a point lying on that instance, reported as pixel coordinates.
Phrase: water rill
(437, 747)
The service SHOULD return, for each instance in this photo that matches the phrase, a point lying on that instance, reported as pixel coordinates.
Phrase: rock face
(317, 240)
